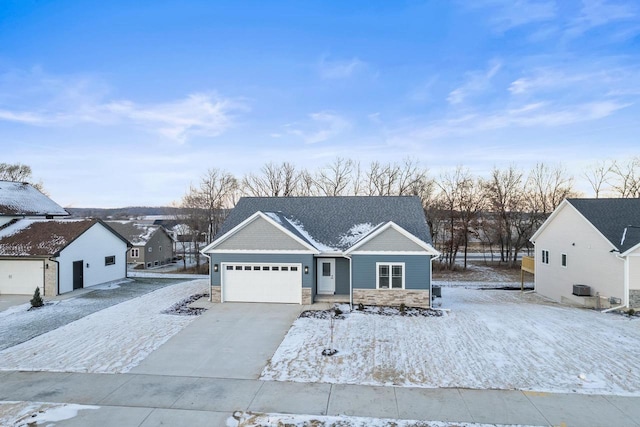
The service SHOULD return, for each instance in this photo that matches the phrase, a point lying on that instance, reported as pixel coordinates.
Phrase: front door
(326, 276)
(78, 274)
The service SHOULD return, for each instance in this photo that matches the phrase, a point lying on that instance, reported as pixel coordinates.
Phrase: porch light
(306, 269)
(215, 268)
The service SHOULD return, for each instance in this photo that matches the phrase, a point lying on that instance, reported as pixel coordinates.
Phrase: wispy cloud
(597, 13)
(62, 102)
(476, 82)
(508, 14)
(340, 69)
(324, 125)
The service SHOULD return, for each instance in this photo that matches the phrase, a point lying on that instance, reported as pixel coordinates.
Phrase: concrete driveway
(230, 340)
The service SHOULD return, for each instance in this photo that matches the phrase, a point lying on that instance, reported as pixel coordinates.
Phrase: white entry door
(326, 276)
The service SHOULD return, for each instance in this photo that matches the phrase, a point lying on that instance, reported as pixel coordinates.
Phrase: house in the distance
(370, 250)
(152, 245)
(59, 256)
(588, 253)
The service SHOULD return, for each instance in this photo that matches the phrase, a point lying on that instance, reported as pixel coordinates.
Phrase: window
(160, 248)
(135, 252)
(256, 267)
(247, 267)
(294, 268)
(110, 260)
(229, 267)
(150, 249)
(275, 268)
(564, 260)
(326, 269)
(545, 257)
(390, 275)
(285, 268)
(265, 268)
(238, 267)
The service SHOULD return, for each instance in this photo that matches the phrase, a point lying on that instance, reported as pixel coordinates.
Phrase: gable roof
(333, 223)
(21, 198)
(136, 233)
(609, 217)
(43, 237)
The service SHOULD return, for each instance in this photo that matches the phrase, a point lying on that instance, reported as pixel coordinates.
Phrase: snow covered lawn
(112, 340)
(29, 414)
(249, 420)
(491, 339)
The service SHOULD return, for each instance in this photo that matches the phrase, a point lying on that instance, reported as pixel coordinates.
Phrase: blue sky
(114, 104)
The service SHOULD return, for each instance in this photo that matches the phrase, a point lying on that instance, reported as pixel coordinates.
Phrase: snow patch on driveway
(112, 340)
(489, 340)
(27, 414)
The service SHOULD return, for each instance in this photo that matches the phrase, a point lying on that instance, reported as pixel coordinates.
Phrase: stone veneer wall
(215, 294)
(50, 279)
(393, 297)
(306, 296)
(634, 298)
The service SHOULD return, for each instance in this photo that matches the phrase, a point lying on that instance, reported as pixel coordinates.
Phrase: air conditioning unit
(582, 290)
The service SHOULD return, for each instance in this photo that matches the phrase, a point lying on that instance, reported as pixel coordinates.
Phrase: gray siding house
(152, 244)
(370, 250)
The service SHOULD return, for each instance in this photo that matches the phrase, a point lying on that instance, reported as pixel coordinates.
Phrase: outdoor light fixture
(87, 265)
(215, 268)
(306, 269)
(46, 266)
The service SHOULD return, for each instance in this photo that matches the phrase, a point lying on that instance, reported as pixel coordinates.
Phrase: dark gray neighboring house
(371, 250)
(152, 244)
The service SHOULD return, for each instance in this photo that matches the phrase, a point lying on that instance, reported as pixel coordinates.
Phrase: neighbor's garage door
(21, 277)
(262, 283)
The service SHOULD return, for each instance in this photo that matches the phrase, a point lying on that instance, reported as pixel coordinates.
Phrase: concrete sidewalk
(145, 400)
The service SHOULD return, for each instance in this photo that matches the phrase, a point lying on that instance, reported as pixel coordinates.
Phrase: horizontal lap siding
(417, 270)
(391, 240)
(305, 260)
(260, 235)
(342, 276)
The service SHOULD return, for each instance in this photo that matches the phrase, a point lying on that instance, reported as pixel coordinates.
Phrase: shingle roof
(40, 237)
(611, 217)
(21, 198)
(138, 234)
(334, 222)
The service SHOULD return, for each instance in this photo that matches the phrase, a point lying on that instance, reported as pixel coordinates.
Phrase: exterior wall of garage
(306, 260)
(92, 247)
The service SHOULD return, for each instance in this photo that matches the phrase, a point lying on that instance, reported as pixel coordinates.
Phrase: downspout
(625, 296)
(210, 272)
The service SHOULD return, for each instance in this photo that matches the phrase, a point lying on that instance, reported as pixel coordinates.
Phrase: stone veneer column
(215, 294)
(50, 279)
(634, 298)
(306, 296)
(392, 297)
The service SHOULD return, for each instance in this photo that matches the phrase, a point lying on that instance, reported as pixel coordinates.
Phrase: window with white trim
(110, 260)
(390, 275)
(135, 252)
(564, 260)
(545, 256)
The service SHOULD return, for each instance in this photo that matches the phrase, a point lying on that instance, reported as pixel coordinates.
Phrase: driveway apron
(230, 340)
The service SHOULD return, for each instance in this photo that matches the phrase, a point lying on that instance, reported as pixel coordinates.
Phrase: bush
(631, 312)
(361, 306)
(337, 311)
(403, 308)
(37, 301)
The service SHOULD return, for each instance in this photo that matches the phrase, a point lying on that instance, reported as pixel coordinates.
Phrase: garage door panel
(21, 277)
(263, 285)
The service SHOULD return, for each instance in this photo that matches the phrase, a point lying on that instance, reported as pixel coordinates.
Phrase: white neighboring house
(59, 255)
(19, 200)
(594, 243)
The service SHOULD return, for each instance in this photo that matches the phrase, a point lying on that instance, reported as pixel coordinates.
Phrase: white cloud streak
(340, 69)
(476, 82)
(59, 102)
(324, 126)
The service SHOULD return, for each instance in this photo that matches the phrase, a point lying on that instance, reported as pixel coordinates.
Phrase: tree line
(497, 214)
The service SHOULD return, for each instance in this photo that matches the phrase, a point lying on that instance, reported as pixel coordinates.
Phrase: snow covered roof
(138, 234)
(334, 224)
(21, 198)
(41, 237)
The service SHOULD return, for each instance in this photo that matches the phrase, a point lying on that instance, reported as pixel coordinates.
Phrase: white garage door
(21, 277)
(262, 282)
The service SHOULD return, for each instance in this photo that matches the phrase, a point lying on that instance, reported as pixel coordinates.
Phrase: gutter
(433, 258)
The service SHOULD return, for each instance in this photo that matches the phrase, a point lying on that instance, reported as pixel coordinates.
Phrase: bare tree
(334, 179)
(504, 194)
(626, 178)
(548, 186)
(274, 181)
(18, 172)
(598, 175)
